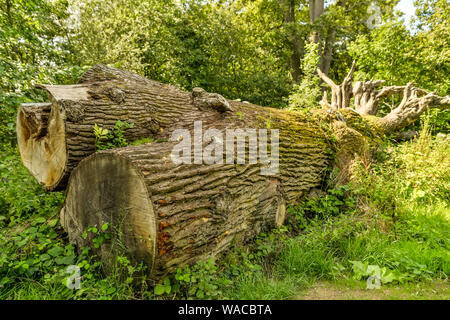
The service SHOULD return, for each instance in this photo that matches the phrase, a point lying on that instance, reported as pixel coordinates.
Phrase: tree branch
(412, 106)
(367, 98)
(340, 94)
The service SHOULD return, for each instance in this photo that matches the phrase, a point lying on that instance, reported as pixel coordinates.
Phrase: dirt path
(356, 290)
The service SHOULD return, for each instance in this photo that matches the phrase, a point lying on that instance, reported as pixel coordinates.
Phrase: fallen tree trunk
(52, 145)
(167, 214)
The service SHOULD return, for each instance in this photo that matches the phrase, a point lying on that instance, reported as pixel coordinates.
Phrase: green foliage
(20, 195)
(328, 250)
(32, 51)
(364, 270)
(433, 32)
(99, 235)
(392, 221)
(395, 54)
(38, 254)
(307, 93)
(229, 278)
(164, 287)
(439, 121)
(224, 48)
(332, 203)
(387, 53)
(34, 251)
(397, 226)
(415, 175)
(114, 138)
(201, 281)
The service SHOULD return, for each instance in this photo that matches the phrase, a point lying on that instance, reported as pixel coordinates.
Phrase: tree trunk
(327, 56)
(296, 41)
(316, 8)
(168, 215)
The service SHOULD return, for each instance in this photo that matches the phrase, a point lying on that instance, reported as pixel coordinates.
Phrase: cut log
(168, 215)
(52, 145)
(42, 156)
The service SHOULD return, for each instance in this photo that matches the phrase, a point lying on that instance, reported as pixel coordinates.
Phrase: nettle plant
(114, 138)
(336, 201)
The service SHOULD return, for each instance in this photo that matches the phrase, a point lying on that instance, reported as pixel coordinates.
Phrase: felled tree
(167, 213)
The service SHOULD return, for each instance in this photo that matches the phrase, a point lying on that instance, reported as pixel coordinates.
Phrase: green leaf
(55, 251)
(166, 281)
(52, 223)
(359, 269)
(68, 260)
(44, 257)
(111, 290)
(159, 289)
(200, 294)
(40, 220)
(168, 289)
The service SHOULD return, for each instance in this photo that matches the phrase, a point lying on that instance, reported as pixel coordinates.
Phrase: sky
(407, 7)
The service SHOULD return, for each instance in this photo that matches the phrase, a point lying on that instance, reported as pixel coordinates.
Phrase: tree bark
(327, 56)
(411, 107)
(316, 8)
(169, 215)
